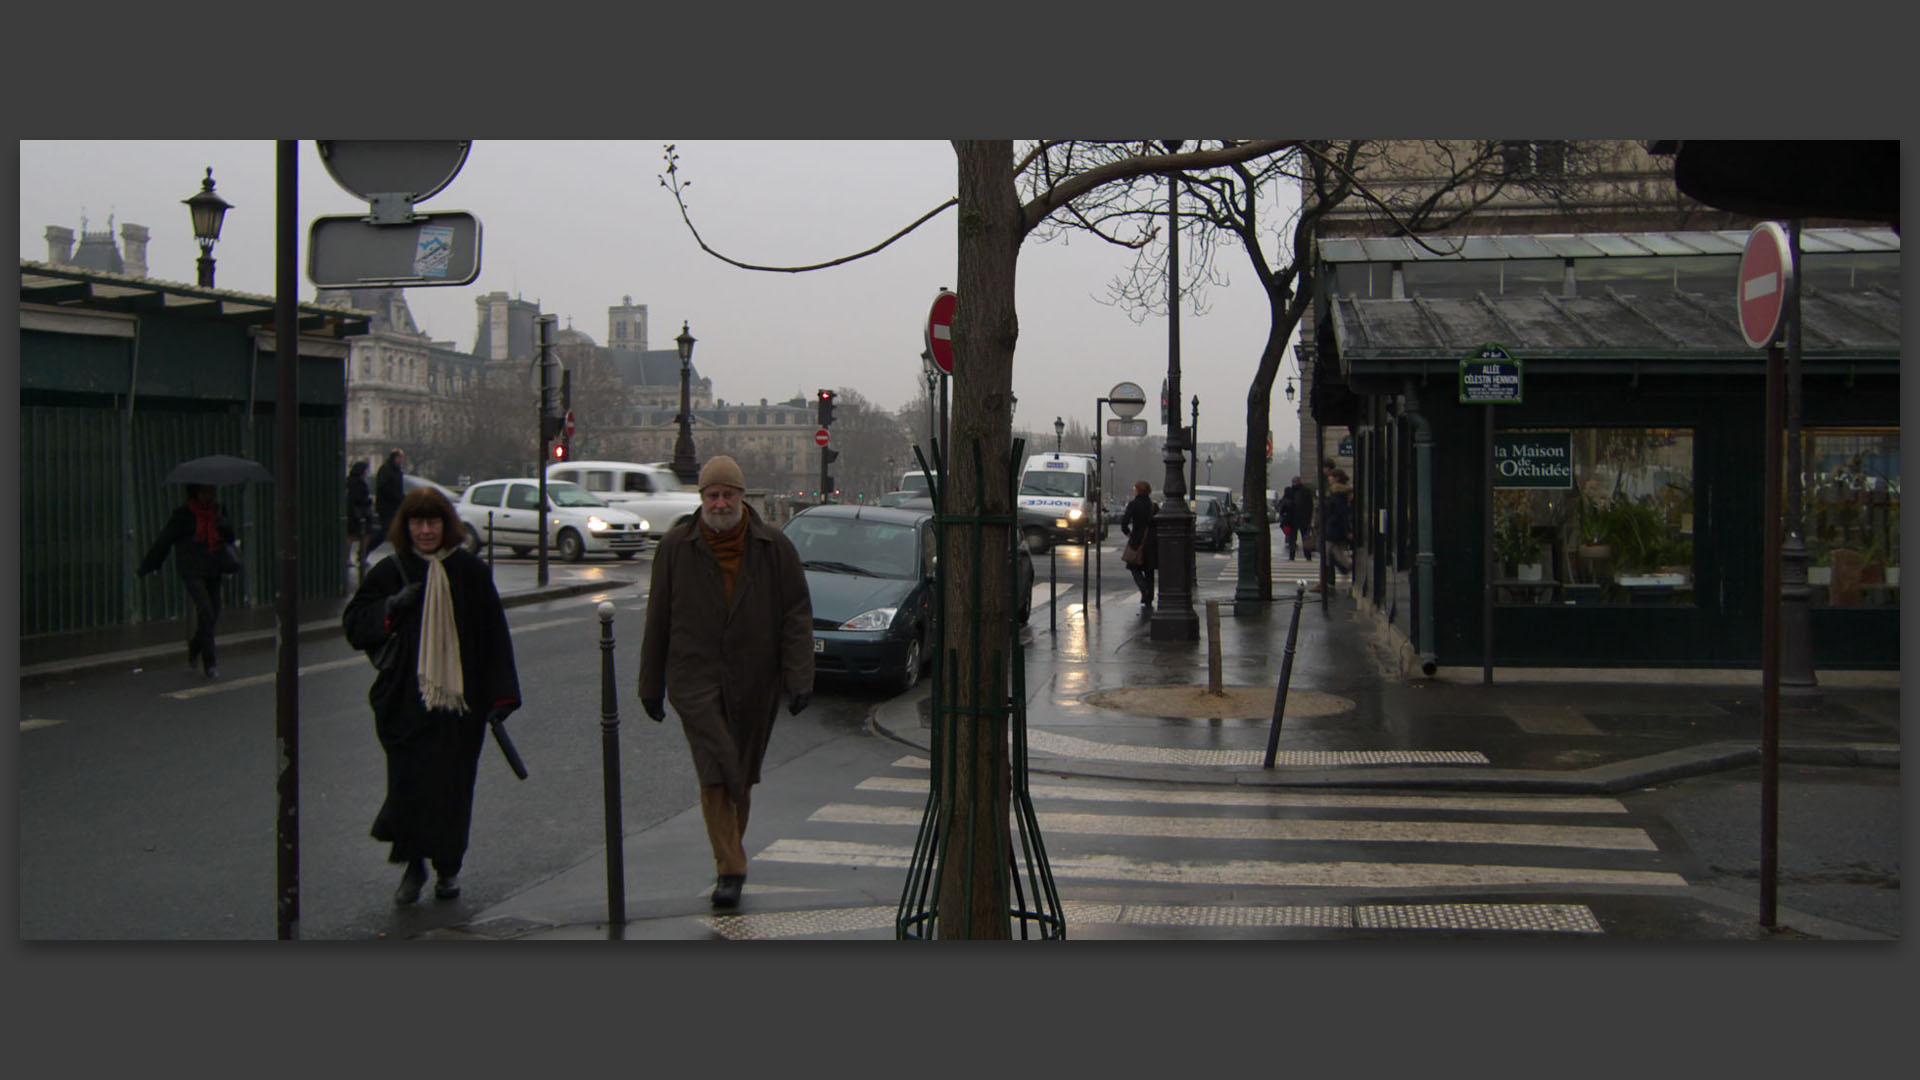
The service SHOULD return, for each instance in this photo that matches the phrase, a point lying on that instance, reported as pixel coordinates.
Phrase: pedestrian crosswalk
(1188, 858)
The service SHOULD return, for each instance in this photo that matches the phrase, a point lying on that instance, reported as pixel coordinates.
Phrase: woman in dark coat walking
(195, 534)
(431, 709)
(360, 527)
(1137, 522)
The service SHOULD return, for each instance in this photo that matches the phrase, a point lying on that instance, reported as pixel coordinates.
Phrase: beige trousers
(726, 827)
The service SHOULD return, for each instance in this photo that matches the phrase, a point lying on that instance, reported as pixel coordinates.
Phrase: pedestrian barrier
(610, 773)
(1286, 674)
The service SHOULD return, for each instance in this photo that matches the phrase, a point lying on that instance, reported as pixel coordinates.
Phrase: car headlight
(595, 523)
(877, 619)
(1059, 523)
(645, 525)
(1073, 514)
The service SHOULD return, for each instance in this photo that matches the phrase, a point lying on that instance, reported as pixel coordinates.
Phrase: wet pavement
(1354, 724)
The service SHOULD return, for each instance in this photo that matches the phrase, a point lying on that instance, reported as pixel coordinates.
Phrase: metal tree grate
(1020, 871)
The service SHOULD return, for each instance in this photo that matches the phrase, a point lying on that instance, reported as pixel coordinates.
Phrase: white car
(578, 523)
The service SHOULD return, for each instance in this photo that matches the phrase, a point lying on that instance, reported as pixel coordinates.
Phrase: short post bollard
(1053, 590)
(489, 539)
(1286, 674)
(610, 772)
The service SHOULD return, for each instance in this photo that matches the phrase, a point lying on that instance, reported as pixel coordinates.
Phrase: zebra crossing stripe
(1050, 742)
(1247, 872)
(1592, 837)
(1530, 804)
(1080, 915)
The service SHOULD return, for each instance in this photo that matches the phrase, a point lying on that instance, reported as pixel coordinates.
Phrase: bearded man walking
(729, 626)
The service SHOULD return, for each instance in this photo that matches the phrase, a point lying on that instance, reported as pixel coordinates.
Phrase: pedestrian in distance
(195, 535)
(1296, 513)
(1136, 521)
(453, 675)
(389, 488)
(1340, 520)
(360, 521)
(729, 626)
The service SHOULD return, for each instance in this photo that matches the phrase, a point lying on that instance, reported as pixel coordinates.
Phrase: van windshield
(1073, 485)
(916, 482)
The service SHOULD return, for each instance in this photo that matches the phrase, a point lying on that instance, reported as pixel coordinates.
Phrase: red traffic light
(559, 451)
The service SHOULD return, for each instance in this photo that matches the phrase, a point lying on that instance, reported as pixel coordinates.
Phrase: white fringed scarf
(440, 677)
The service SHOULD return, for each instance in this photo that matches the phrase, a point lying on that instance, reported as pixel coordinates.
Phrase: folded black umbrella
(506, 747)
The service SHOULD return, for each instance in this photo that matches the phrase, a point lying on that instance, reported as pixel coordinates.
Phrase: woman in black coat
(454, 674)
(360, 527)
(195, 534)
(1137, 522)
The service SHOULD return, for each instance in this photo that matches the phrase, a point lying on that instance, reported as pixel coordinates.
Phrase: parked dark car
(1212, 525)
(870, 570)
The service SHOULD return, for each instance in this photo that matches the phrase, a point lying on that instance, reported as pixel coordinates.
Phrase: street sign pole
(1490, 377)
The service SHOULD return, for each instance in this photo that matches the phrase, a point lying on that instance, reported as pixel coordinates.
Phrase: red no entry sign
(821, 438)
(1766, 271)
(940, 331)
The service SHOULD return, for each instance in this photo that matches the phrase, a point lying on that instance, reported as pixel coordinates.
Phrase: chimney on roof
(59, 245)
(133, 249)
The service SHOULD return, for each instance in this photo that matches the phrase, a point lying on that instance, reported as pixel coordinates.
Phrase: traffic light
(561, 450)
(826, 407)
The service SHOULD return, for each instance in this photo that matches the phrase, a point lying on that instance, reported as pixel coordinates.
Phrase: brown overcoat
(724, 665)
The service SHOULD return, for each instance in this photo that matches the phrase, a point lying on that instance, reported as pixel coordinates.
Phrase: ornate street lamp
(1173, 615)
(684, 466)
(1059, 430)
(1209, 468)
(209, 210)
(1289, 389)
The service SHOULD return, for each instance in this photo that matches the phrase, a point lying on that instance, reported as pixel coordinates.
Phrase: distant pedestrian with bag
(729, 627)
(199, 537)
(1141, 554)
(389, 488)
(360, 521)
(1296, 514)
(431, 620)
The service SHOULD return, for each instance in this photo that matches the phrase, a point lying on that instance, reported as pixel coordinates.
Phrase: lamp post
(1289, 389)
(1059, 432)
(208, 210)
(1209, 468)
(1193, 444)
(1173, 615)
(684, 466)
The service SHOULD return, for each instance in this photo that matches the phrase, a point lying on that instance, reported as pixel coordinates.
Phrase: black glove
(799, 702)
(656, 708)
(403, 601)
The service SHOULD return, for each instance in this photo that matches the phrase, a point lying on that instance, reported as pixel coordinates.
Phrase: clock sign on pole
(940, 330)
(1766, 272)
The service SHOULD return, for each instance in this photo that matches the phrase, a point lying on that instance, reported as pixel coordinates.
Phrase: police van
(1065, 487)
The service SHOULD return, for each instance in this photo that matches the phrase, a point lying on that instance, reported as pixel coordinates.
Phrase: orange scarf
(728, 548)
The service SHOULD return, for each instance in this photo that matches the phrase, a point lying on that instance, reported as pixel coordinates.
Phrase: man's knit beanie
(722, 470)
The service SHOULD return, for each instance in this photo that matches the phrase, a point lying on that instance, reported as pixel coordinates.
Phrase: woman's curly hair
(426, 502)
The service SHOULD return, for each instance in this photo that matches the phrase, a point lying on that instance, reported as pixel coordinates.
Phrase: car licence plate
(819, 645)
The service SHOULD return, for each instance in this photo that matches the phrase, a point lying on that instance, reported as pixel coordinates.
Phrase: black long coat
(1296, 507)
(724, 665)
(191, 558)
(1137, 522)
(433, 756)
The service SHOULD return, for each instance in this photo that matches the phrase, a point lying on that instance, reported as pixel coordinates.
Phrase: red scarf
(728, 548)
(206, 524)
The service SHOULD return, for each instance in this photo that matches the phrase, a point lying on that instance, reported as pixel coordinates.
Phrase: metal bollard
(1286, 674)
(610, 772)
(1053, 589)
(489, 539)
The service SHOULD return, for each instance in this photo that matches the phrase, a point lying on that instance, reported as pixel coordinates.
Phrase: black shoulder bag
(387, 656)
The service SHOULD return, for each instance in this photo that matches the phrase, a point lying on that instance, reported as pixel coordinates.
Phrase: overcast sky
(577, 226)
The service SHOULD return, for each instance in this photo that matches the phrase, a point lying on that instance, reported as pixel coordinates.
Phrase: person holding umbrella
(196, 535)
(450, 675)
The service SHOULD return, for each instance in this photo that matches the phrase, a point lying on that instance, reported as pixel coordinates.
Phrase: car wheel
(1036, 540)
(909, 674)
(472, 542)
(522, 552)
(570, 547)
(626, 554)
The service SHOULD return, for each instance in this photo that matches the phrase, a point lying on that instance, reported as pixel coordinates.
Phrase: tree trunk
(1259, 423)
(976, 845)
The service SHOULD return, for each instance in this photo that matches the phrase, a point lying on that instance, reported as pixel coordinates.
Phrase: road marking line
(1586, 837)
(1551, 720)
(1350, 875)
(1048, 742)
(1542, 804)
(38, 722)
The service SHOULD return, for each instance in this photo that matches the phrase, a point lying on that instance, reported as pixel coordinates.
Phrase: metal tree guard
(1034, 904)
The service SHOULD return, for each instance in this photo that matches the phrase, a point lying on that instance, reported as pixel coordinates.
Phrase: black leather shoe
(726, 891)
(410, 884)
(446, 888)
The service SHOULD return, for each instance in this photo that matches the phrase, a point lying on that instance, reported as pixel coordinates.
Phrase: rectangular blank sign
(345, 251)
(1126, 427)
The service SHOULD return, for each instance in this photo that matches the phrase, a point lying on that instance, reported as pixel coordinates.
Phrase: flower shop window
(1598, 515)
(1851, 515)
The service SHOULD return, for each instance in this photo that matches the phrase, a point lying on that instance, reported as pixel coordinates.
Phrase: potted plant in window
(1515, 547)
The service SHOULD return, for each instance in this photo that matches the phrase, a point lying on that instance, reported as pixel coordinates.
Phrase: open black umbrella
(217, 469)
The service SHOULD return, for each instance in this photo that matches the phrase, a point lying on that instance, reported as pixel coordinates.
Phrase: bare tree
(992, 224)
(1410, 187)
